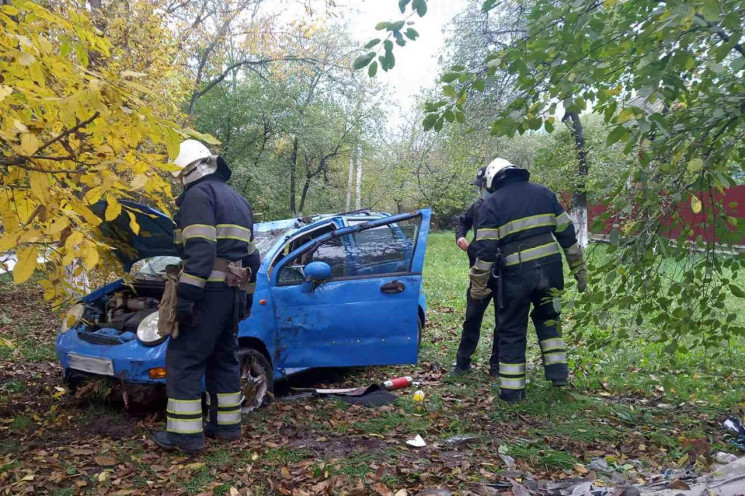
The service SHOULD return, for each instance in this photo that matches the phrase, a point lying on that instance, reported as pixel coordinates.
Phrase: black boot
(560, 382)
(512, 395)
(189, 444)
(213, 431)
(459, 370)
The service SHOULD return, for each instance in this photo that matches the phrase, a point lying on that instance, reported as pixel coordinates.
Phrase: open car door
(363, 308)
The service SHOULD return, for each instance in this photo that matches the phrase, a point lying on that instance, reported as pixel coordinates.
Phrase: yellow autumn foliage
(81, 120)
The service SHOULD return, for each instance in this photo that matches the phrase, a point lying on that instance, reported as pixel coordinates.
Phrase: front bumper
(130, 361)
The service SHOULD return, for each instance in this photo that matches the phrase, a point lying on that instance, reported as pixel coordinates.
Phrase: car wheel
(257, 379)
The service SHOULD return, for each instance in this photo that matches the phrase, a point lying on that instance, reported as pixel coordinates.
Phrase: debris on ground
(460, 439)
(398, 383)
(723, 458)
(372, 395)
(417, 442)
(737, 428)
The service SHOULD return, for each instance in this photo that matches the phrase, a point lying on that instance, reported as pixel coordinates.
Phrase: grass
(612, 408)
(639, 368)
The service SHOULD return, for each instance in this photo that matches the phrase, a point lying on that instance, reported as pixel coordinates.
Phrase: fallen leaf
(104, 461)
(381, 489)
(194, 466)
(680, 485)
(580, 469)
(285, 473)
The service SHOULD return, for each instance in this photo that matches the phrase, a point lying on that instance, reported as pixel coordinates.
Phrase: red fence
(732, 199)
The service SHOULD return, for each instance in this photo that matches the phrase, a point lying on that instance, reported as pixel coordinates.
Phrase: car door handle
(393, 287)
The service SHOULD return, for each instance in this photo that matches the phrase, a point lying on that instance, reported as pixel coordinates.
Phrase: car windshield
(155, 267)
(264, 240)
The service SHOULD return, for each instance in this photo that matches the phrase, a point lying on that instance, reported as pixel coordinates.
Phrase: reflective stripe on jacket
(522, 219)
(213, 222)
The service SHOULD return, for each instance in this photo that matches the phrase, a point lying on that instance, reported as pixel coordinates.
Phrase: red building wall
(733, 200)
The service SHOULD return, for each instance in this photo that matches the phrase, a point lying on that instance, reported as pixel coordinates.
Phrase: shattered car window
(377, 251)
(264, 240)
(153, 268)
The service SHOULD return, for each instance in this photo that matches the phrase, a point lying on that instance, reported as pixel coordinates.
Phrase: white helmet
(193, 157)
(496, 168)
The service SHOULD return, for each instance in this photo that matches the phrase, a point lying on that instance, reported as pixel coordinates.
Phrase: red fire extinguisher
(398, 383)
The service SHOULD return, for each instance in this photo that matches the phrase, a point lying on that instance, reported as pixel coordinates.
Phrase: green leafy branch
(384, 51)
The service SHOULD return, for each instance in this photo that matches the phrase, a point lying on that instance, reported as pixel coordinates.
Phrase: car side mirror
(317, 272)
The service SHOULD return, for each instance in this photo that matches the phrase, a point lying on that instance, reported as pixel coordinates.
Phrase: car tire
(257, 379)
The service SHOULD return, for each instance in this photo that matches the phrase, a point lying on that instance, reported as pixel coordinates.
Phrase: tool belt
(234, 274)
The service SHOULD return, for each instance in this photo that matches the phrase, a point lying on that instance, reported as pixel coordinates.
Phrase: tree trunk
(303, 195)
(579, 196)
(293, 177)
(358, 200)
(350, 180)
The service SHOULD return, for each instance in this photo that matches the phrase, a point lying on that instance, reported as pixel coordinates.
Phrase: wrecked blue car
(333, 291)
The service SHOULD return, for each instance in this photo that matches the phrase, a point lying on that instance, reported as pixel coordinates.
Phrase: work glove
(185, 314)
(581, 276)
(479, 283)
(576, 261)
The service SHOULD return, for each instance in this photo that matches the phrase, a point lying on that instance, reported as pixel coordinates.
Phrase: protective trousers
(209, 349)
(469, 338)
(536, 283)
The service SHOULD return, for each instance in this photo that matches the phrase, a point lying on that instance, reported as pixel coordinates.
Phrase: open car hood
(155, 236)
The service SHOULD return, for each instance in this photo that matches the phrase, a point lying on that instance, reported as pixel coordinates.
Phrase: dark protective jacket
(213, 222)
(466, 221)
(524, 221)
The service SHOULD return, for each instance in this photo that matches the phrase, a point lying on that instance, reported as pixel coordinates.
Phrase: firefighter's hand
(462, 244)
(185, 313)
(581, 276)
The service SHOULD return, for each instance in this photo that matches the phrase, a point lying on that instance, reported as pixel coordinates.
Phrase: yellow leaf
(29, 144)
(25, 265)
(26, 59)
(113, 208)
(625, 115)
(133, 74)
(92, 258)
(7, 343)
(20, 126)
(39, 184)
(8, 241)
(695, 204)
(5, 91)
(173, 140)
(58, 226)
(133, 223)
(139, 181)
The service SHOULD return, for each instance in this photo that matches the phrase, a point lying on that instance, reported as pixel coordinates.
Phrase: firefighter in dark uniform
(214, 236)
(475, 308)
(519, 259)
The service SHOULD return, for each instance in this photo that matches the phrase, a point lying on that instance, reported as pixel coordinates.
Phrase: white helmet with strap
(495, 171)
(194, 161)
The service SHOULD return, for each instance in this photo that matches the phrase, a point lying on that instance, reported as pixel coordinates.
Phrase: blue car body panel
(343, 322)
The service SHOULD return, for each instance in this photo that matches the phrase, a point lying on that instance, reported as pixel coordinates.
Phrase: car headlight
(147, 331)
(72, 317)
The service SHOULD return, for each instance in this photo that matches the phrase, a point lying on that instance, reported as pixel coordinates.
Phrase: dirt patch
(113, 426)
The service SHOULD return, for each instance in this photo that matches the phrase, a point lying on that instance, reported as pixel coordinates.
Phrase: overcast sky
(416, 63)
